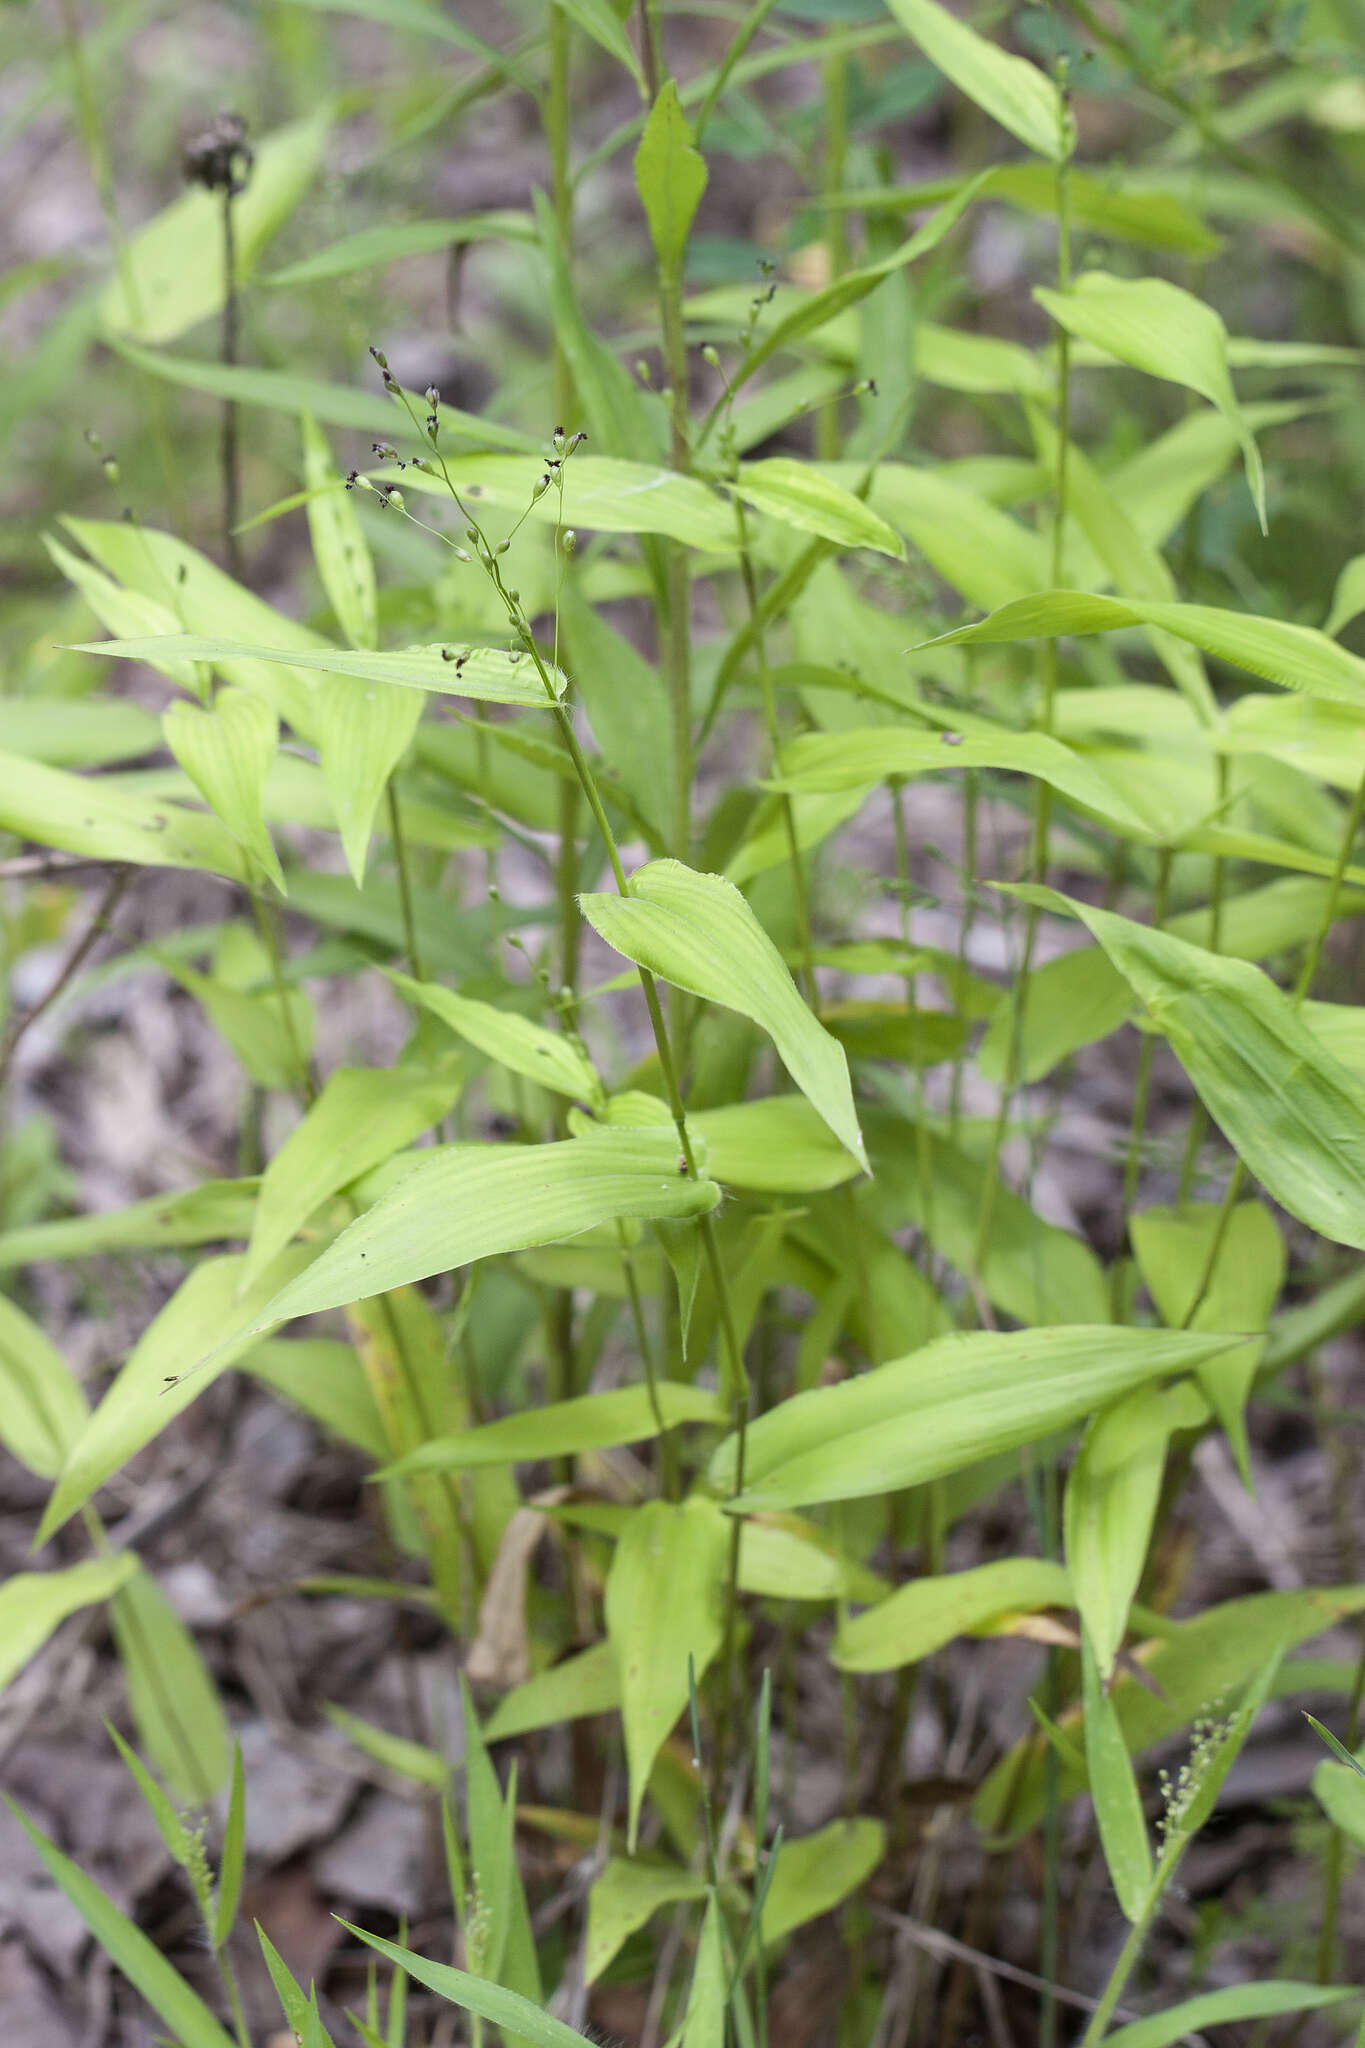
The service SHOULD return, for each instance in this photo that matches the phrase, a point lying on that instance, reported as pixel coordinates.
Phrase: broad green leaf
(175, 262)
(1068, 1002)
(485, 673)
(777, 819)
(397, 1753)
(141, 1962)
(984, 552)
(272, 1035)
(957, 1400)
(1341, 1794)
(817, 1872)
(583, 1684)
(602, 493)
(797, 494)
(227, 753)
(42, 1408)
(467, 1202)
(215, 1209)
(179, 1718)
(1237, 2002)
(506, 1942)
(563, 1428)
(340, 549)
(43, 729)
(1110, 1504)
(778, 1144)
(698, 932)
(88, 816)
(1172, 1247)
(375, 248)
(663, 1606)
(598, 19)
(626, 703)
(515, 2015)
(1291, 1112)
(863, 756)
(810, 314)
(550, 1058)
(782, 1557)
(1348, 598)
(1159, 328)
(627, 1893)
(1012, 91)
(121, 612)
(338, 405)
(34, 1604)
(1034, 1271)
(1113, 1787)
(1193, 1663)
(361, 1117)
(1295, 657)
(922, 1616)
(364, 729)
(670, 176)
(704, 2023)
(151, 1388)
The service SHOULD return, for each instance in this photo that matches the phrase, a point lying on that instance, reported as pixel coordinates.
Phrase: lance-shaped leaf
(148, 1392)
(506, 2009)
(921, 1617)
(704, 2021)
(141, 1962)
(627, 1895)
(955, 1401)
(550, 1058)
(446, 671)
(1295, 657)
(1167, 332)
(121, 612)
(364, 728)
(362, 1116)
(33, 1604)
(670, 176)
(1293, 1114)
(88, 815)
(600, 20)
(1173, 1247)
(601, 492)
(1010, 89)
(340, 549)
(1110, 1504)
(626, 1415)
(42, 1408)
(1265, 2000)
(467, 1202)
(180, 1719)
(698, 932)
(1114, 1789)
(817, 1872)
(799, 495)
(227, 753)
(663, 1606)
(862, 756)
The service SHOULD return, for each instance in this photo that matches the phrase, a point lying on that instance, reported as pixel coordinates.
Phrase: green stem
(834, 80)
(401, 863)
(1042, 817)
(231, 470)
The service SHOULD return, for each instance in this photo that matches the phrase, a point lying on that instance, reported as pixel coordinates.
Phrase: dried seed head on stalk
(219, 157)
